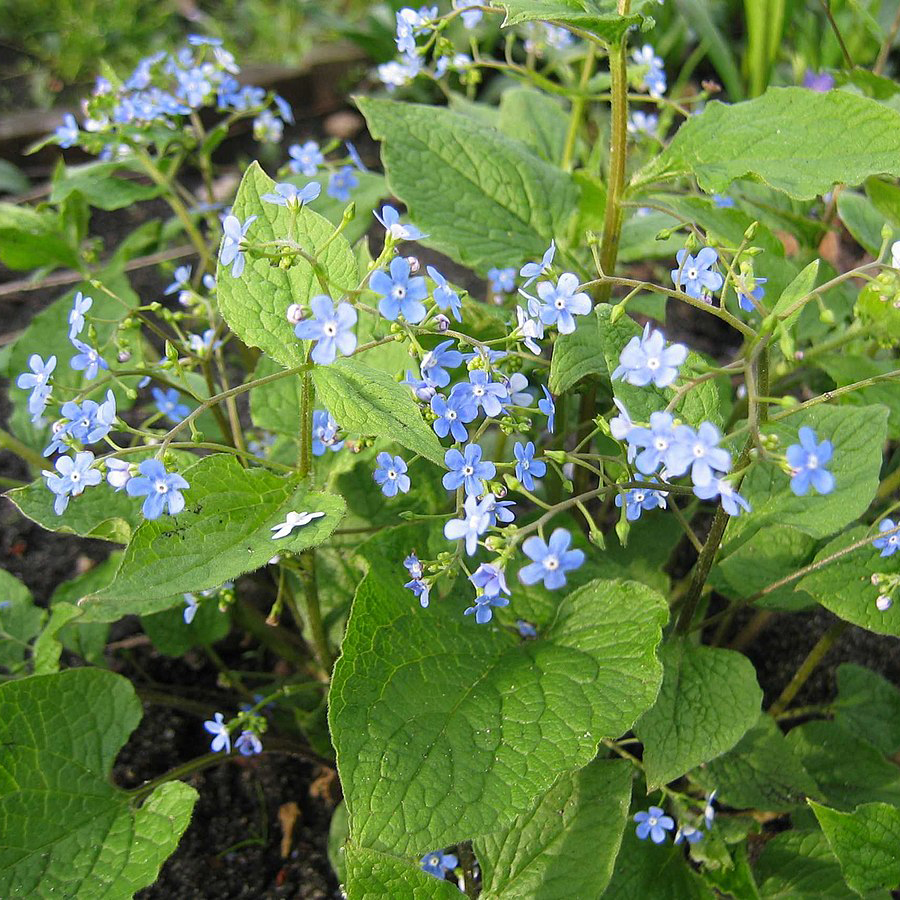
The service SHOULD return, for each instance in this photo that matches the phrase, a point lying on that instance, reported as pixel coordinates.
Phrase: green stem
(578, 105)
(467, 863)
(188, 768)
(826, 5)
(807, 667)
(14, 445)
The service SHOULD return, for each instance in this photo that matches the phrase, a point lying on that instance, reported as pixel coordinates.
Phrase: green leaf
(566, 845)
(847, 369)
(761, 772)
(224, 531)
(767, 556)
(29, 239)
(255, 305)
(868, 704)
(865, 843)
(848, 769)
(708, 700)
(798, 141)
(446, 730)
(364, 400)
(885, 197)
(644, 870)
(863, 221)
(799, 865)
(68, 831)
(845, 586)
(99, 187)
(372, 874)
(87, 639)
(47, 647)
(800, 287)
(20, 622)
(594, 348)
(858, 436)
(600, 17)
(535, 119)
(276, 406)
(507, 203)
(338, 834)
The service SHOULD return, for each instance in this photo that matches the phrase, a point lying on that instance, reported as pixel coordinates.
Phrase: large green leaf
(858, 437)
(224, 531)
(594, 348)
(708, 700)
(507, 203)
(87, 639)
(255, 305)
(20, 622)
(67, 830)
(536, 119)
(29, 239)
(847, 768)
(760, 772)
(566, 845)
(865, 843)
(799, 865)
(845, 586)
(846, 369)
(600, 17)
(868, 704)
(100, 187)
(662, 873)
(276, 406)
(372, 874)
(447, 730)
(798, 141)
(364, 400)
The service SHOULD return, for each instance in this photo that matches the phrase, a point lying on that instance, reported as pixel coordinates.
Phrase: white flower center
(161, 487)
(75, 477)
(560, 303)
(478, 390)
(639, 496)
(392, 474)
(525, 464)
(812, 461)
(551, 563)
(699, 451)
(399, 292)
(661, 444)
(653, 363)
(692, 273)
(330, 329)
(451, 415)
(468, 470)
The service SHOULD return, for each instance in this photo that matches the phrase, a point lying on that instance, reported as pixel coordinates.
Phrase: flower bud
(414, 265)
(884, 602)
(441, 322)
(123, 356)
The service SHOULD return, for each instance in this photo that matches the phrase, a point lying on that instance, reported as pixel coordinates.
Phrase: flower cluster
(654, 75)
(655, 824)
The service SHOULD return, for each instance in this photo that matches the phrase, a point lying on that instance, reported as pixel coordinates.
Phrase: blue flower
(324, 429)
(503, 281)
(688, 833)
(284, 108)
(528, 468)
(471, 17)
(268, 128)
(38, 382)
(467, 469)
(407, 21)
(391, 474)
(400, 294)
(332, 329)
(305, 158)
(190, 610)
(162, 489)
(87, 360)
(476, 521)
(498, 510)
(118, 473)
(887, 545)
(551, 560)
(340, 184)
(724, 202)
(533, 270)
(90, 421)
(643, 123)
(438, 864)
(655, 76)
(74, 476)
(181, 276)
(168, 403)
(67, 133)
(233, 243)
(709, 811)
(292, 197)
(218, 728)
(807, 460)
(420, 589)
(434, 362)
(749, 291)
(698, 451)
(821, 82)
(732, 501)
(484, 393)
(657, 442)
(444, 296)
(515, 387)
(413, 565)
(561, 303)
(654, 823)
(548, 408)
(526, 629)
(248, 744)
(637, 500)
(695, 275)
(80, 305)
(646, 358)
(201, 344)
(355, 158)
(451, 414)
(482, 607)
(421, 389)
(390, 218)
(530, 329)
